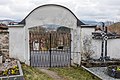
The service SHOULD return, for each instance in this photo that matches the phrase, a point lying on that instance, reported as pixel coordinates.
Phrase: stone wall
(4, 43)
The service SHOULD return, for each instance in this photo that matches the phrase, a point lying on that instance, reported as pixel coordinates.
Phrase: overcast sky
(98, 10)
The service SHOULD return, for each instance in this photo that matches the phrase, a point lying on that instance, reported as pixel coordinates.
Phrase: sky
(96, 10)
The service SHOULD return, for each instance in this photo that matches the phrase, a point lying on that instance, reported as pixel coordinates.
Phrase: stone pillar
(75, 46)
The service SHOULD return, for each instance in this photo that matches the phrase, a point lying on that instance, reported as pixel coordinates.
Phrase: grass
(74, 73)
(31, 73)
(71, 73)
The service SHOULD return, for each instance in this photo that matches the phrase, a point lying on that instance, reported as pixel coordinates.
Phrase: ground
(53, 74)
(74, 73)
(31, 73)
(71, 73)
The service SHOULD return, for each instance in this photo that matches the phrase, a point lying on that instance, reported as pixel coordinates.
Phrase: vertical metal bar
(50, 50)
(36, 50)
(70, 47)
(56, 50)
(32, 54)
(63, 43)
(30, 46)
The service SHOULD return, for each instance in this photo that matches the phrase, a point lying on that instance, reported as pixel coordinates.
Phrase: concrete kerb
(92, 72)
(15, 77)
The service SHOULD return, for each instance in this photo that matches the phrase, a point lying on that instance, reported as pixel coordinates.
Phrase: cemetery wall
(17, 43)
(113, 48)
(93, 46)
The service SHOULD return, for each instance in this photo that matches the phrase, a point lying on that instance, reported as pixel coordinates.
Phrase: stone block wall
(4, 43)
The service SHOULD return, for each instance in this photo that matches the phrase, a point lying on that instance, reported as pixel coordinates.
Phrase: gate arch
(52, 8)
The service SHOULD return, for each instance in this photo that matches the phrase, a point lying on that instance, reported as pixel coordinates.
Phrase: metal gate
(50, 49)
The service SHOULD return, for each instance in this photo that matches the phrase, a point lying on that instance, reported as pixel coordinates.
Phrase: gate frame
(50, 49)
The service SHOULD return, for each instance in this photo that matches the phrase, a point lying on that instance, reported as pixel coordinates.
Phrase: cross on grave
(104, 35)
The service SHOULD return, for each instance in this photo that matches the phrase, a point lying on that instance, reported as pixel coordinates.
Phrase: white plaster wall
(17, 43)
(85, 32)
(113, 48)
(53, 15)
(96, 45)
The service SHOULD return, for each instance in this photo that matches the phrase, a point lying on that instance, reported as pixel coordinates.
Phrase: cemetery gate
(50, 49)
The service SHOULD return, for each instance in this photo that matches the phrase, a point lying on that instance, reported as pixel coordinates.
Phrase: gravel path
(52, 74)
(101, 71)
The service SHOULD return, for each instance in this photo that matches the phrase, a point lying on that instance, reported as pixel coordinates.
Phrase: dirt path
(52, 74)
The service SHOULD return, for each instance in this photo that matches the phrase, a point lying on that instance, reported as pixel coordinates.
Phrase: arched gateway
(48, 36)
